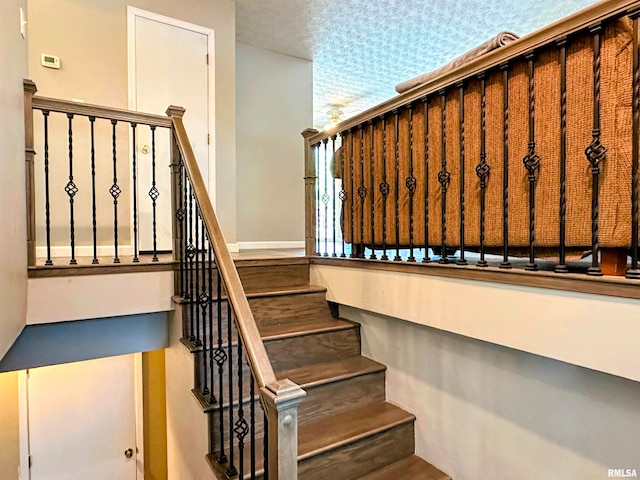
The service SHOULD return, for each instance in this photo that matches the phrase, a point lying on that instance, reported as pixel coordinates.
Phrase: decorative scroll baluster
(196, 273)
(231, 468)
(596, 153)
(505, 166)
(373, 193)
(135, 193)
(191, 250)
(180, 216)
(316, 154)
(220, 356)
(426, 258)
(47, 206)
(634, 271)
(444, 177)
(211, 358)
(483, 170)
(353, 203)
(562, 266)
(154, 193)
(252, 422)
(362, 193)
(94, 261)
(396, 140)
(333, 199)
(461, 260)
(115, 192)
(384, 189)
(532, 164)
(325, 200)
(411, 184)
(241, 427)
(342, 195)
(71, 190)
(204, 305)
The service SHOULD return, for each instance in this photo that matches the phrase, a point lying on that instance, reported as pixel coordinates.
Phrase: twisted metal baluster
(135, 194)
(532, 163)
(426, 258)
(634, 272)
(562, 266)
(384, 189)
(444, 177)
(483, 170)
(373, 192)
(461, 260)
(47, 206)
(154, 193)
(94, 223)
(411, 183)
(596, 153)
(115, 192)
(505, 162)
(71, 190)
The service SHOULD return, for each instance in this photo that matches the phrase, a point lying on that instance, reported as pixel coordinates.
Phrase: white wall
(13, 234)
(485, 411)
(274, 105)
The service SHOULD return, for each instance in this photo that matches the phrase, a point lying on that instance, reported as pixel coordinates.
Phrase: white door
(82, 420)
(170, 68)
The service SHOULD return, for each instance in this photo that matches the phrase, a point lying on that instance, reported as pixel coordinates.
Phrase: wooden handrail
(99, 111)
(598, 12)
(247, 328)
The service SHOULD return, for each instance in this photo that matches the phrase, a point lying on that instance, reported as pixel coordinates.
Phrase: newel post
(310, 176)
(29, 154)
(280, 400)
(177, 186)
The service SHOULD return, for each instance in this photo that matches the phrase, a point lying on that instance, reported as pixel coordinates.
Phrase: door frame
(132, 14)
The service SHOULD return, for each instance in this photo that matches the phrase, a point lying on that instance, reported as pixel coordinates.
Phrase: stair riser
(266, 309)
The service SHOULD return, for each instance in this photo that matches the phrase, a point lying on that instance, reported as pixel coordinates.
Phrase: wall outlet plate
(50, 61)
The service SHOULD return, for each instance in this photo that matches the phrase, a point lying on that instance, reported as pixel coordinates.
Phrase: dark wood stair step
(409, 468)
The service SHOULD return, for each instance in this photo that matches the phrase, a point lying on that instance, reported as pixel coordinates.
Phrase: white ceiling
(362, 48)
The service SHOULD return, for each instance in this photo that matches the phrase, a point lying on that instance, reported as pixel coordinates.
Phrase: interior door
(171, 68)
(82, 421)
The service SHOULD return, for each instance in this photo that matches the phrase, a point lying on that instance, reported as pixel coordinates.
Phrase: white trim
(24, 473)
(264, 245)
(233, 247)
(138, 387)
(84, 251)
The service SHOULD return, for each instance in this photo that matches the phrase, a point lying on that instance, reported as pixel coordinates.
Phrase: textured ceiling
(362, 48)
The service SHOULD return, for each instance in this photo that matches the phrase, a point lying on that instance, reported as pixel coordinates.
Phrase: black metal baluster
(505, 162)
(396, 139)
(71, 190)
(115, 192)
(135, 193)
(373, 193)
(343, 196)
(191, 251)
(316, 152)
(325, 200)
(333, 194)
(562, 266)
(47, 206)
(212, 398)
(220, 356)
(241, 427)
(265, 450)
(426, 258)
(94, 261)
(362, 193)
(634, 271)
(180, 215)
(231, 468)
(196, 264)
(411, 184)
(384, 189)
(532, 163)
(596, 153)
(483, 170)
(204, 304)
(461, 260)
(252, 422)
(154, 193)
(444, 177)
(352, 199)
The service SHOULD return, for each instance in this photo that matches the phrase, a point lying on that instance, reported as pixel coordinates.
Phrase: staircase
(346, 429)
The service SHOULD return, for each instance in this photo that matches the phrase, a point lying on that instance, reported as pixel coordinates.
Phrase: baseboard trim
(233, 247)
(266, 245)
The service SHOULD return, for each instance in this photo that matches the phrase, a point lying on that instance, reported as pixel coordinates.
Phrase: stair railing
(221, 325)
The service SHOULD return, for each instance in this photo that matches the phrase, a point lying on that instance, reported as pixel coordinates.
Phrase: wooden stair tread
(409, 468)
(332, 432)
(321, 373)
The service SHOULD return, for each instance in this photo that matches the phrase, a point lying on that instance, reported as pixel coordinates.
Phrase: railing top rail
(247, 328)
(579, 21)
(98, 111)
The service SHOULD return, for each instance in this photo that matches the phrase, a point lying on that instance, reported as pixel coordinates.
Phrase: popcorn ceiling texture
(362, 48)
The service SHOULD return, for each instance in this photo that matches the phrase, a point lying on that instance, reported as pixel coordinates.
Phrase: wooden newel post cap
(29, 86)
(175, 111)
(309, 132)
